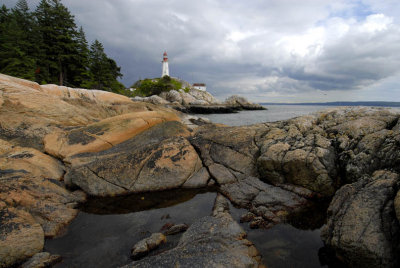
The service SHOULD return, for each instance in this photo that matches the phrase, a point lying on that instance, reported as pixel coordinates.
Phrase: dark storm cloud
(264, 49)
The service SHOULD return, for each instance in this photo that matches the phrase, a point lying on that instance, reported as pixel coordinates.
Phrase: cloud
(267, 50)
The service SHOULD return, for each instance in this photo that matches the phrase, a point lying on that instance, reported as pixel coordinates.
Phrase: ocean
(275, 112)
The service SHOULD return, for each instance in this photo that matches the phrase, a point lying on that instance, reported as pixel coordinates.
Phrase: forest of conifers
(46, 46)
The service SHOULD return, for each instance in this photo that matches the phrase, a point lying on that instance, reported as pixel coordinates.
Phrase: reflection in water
(104, 233)
(309, 218)
(139, 202)
(296, 243)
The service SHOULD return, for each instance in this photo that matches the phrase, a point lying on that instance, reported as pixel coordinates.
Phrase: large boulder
(28, 111)
(173, 96)
(297, 152)
(42, 260)
(154, 99)
(268, 204)
(203, 96)
(21, 236)
(362, 227)
(104, 134)
(143, 247)
(230, 148)
(157, 159)
(32, 181)
(243, 103)
(212, 241)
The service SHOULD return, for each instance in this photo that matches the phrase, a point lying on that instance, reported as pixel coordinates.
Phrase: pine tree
(98, 59)
(80, 70)
(47, 47)
(104, 71)
(59, 46)
(16, 43)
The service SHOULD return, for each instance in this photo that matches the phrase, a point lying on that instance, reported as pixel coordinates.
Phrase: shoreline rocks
(212, 241)
(361, 227)
(199, 102)
(143, 247)
(106, 145)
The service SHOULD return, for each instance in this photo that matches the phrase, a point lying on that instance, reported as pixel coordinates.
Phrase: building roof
(199, 85)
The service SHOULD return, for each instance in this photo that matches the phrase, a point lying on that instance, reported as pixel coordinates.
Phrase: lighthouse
(165, 69)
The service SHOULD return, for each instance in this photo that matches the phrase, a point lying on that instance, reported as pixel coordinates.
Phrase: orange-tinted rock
(30, 161)
(159, 158)
(104, 134)
(31, 180)
(20, 236)
(28, 112)
(79, 93)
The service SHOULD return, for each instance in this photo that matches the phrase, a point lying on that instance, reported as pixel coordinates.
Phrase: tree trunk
(61, 78)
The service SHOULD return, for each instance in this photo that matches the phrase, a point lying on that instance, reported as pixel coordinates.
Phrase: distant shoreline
(342, 103)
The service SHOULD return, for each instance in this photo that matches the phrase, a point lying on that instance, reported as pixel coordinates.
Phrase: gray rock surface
(175, 229)
(42, 260)
(271, 204)
(361, 225)
(143, 247)
(159, 158)
(212, 241)
(243, 103)
(154, 99)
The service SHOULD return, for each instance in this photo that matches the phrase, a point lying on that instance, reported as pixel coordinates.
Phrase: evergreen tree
(46, 46)
(103, 69)
(59, 46)
(81, 71)
(16, 43)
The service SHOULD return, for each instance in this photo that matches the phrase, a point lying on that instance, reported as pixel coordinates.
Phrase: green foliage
(148, 87)
(16, 44)
(103, 69)
(46, 46)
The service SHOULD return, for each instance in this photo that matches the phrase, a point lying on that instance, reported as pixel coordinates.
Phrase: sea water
(274, 113)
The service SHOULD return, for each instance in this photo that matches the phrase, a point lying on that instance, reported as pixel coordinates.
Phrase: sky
(267, 51)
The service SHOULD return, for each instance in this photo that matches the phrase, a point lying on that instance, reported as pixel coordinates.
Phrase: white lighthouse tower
(165, 69)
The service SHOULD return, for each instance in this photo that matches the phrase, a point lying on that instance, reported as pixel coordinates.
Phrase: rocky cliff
(198, 101)
(59, 144)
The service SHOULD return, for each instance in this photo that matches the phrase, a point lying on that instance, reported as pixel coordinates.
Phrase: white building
(165, 69)
(200, 86)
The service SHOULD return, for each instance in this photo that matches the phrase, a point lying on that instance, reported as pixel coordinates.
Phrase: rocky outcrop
(108, 145)
(213, 241)
(42, 260)
(243, 103)
(268, 204)
(192, 97)
(361, 225)
(34, 201)
(154, 99)
(28, 111)
(104, 134)
(298, 152)
(157, 159)
(20, 235)
(199, 101)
